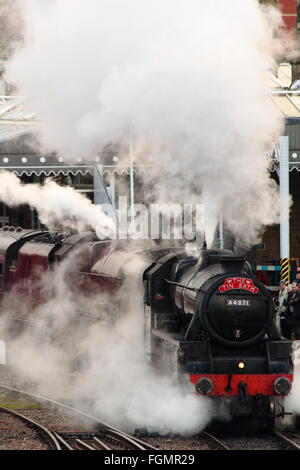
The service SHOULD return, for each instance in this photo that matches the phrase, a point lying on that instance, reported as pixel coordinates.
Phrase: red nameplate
(238, 283)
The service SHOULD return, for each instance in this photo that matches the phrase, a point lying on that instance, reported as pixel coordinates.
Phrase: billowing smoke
(57, 206)
(190, 82)
(292, 402)
(74, 346)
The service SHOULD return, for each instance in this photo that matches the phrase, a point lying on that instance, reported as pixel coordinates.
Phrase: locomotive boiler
(207, 320)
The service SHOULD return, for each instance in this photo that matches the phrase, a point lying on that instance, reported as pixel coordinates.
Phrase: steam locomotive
(207, 319)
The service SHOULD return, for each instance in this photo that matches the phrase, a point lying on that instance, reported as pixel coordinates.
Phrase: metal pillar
(98, 185)
(102, 194)
(221, 233)
(284, 208)
(131, 179)
(113, 189)
(2, 352)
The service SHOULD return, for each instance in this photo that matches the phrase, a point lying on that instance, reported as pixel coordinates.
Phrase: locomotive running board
(296, 352)
(165, 337)
(169, 351)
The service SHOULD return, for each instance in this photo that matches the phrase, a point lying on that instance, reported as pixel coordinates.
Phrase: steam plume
(56, 205)
(100, 365)
(190, 82)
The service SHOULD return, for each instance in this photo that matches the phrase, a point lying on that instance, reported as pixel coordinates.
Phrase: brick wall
(271, 237)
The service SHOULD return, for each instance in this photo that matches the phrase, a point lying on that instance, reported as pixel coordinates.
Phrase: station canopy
(17, 128)
(17, 124)
(284, 94)
(15, 119)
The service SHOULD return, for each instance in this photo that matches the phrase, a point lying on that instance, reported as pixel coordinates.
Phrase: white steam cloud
(292, 401)
(57, 206)
(74, 346)
(189, 81)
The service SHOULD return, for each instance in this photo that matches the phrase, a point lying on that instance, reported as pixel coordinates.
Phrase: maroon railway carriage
(207, 319)
(25, 255)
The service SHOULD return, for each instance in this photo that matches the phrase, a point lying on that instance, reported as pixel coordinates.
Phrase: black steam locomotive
(214, 322)
(207, 319)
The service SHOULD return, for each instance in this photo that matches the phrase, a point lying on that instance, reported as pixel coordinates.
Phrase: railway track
(44, 433)
(287, 440)
(105, 440)
(104, 437)
(271, 441)
(214, 441)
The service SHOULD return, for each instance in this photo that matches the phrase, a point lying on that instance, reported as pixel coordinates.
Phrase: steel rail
(62, 440)
(286, 440)
(105, 426)
(100, 444)
(84, 445)
(128, 440)
(144, 444)
(279, 436)
(33, 423)
(216, 440)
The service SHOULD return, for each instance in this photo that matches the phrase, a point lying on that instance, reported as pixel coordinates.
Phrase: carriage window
(13, 264)
(1, 269)
(4, 219)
